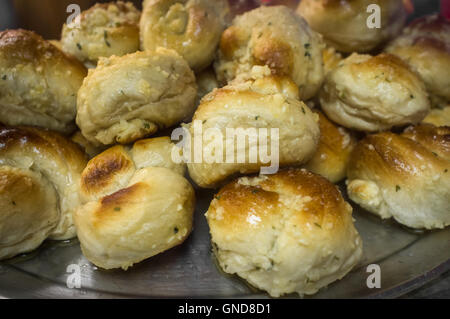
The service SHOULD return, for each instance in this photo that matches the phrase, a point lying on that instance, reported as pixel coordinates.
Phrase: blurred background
(46, 17)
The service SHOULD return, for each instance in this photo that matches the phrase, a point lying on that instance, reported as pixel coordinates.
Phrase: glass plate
(408, 259)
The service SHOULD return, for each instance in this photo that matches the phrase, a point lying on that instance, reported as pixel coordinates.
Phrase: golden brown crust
(333, 153)
(262, 103)
(344, 23)
(54, 163)
(231, 40)
(277, 231)
(104, 172)
(436, 139)
(276, 37)
(26, 46)
(192, 28)
(237, 199)
(404, 176)
(104, 30)
(41, 141)
(150, 214)
(331, 59)
(112, 169)
(276, 54)
(113, 207)
(374, 93)
(136, 196)
(39, 83)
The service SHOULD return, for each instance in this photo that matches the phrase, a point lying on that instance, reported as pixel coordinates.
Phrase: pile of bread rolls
(350, 102)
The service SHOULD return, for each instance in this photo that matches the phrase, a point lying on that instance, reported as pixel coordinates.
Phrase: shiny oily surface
(408, 259)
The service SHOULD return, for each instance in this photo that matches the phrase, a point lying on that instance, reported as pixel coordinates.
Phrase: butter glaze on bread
(343, 23)
(190, 27)
(39, 188)
(38, 82)
(404, 176)
(137, 204)
(276, 37)
(374, 93)
(284, 233)
(104, 30)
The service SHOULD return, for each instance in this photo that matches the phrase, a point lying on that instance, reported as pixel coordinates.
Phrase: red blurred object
(238, 7)
(409, 6)
(445, 8)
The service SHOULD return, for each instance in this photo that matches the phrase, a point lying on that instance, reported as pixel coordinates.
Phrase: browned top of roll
(260, 202)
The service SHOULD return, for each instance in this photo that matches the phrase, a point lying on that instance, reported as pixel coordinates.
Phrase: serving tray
(407, 260)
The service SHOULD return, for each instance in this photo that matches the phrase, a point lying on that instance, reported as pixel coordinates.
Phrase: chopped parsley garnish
(397, 188)
(117, 209)
(4, 77)
(79, 47)
(105, 36)
(303, 110)
(175, 230)
(318, 225)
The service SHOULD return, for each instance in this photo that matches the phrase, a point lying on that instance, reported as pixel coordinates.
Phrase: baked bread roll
(333, 153)
(374, 93)
(438, 117)
(344, 23)
(104, 30)
(39, 188)
(127, 98)
(284, 233)
(263, 103)
(38, 82)
(404, 176)
(276, 37)
(190, 27)
(425, 46)
(138, 204)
